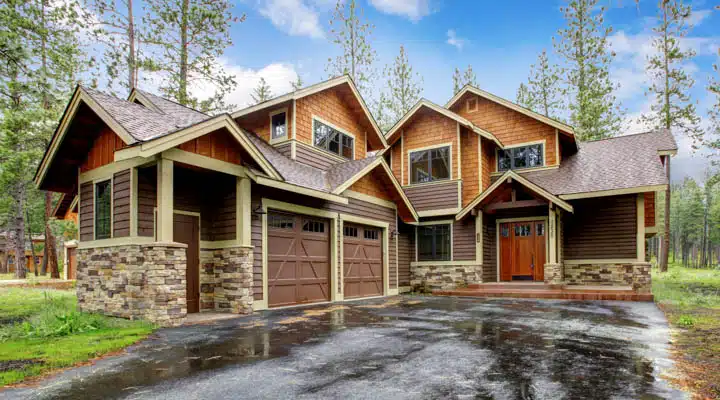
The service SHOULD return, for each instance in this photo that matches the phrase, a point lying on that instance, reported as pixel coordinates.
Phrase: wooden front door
(362, 261)
(522, 250)
(72, 264)
(186, 229)
(298, 259)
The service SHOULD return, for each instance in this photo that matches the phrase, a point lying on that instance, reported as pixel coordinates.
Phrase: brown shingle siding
(86, 211)
(601, 228)
(121, 204)
(428, 128)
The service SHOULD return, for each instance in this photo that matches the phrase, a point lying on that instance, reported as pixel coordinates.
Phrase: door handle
(532, 262)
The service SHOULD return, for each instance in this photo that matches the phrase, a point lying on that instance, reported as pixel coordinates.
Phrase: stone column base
(553, 274)
(426, 278)
(641, 277)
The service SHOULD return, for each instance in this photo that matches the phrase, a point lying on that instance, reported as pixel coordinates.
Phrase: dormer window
(521, 157)
(330, 138)
(278, 125)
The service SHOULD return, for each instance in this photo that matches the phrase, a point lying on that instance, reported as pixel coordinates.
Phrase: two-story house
(302, 199)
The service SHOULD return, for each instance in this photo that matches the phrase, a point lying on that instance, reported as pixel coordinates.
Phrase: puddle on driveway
(399, 347)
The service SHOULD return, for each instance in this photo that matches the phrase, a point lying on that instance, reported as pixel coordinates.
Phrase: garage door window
(313, 226)
(281, 221)
(350, 231)
(371, 234)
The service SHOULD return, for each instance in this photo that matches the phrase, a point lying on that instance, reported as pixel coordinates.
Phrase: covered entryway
(186, 229)
(298, 259)
(522, 250)
(362, 261)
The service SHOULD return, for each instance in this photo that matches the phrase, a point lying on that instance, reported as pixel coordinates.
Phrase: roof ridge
(145, 92)
(657, 130)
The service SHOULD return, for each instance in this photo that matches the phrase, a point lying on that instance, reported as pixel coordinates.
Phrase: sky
(281, 39)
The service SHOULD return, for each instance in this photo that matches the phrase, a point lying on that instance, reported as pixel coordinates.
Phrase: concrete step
(545, 293)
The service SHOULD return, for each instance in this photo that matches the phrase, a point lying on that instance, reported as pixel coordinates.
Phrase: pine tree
(457, 79)
(352, 35)
(544, 90)
(522, 97)
(403, 86)
(297, 84)
(584, 47)
(261, 92)
(381, 113)
(466, 78)
(714, 116)
(192, 35)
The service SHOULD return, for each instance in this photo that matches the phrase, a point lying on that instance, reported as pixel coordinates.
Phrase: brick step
(513, 286)
(624, 295)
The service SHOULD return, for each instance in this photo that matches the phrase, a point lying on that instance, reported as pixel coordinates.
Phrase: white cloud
(454, 40)
(277, 75)
(293, 17)
(413, 10)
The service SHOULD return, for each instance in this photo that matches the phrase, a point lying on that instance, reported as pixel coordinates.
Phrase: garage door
(298, 259)
(362, 261)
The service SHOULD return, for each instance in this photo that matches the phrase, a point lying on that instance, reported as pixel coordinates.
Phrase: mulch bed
(9, 365)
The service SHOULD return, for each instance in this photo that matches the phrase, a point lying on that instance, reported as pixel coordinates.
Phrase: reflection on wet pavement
(402, 347)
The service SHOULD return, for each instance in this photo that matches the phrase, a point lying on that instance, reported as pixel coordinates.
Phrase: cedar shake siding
(406, 253)
(464, 240)
(371, 185)
(314, 157)
(429, 129)
(433, 196)
(489, 261)
(470, 150)
(147, 200)
(259, 121)
(509, 126)
(103, 150)
(601, 228)
(487, 163)
(354, 207)
(650, 209)
(86, 211)
(121, 204)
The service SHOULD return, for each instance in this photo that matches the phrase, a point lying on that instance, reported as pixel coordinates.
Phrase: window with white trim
(521, 157)
(430, 165)
(332, 140)
(103, 193)
(433, 242)
(278, 126)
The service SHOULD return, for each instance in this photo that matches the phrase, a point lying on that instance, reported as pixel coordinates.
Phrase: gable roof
(312, 89)
(183, 115)
(623, 164)
(509, 104)
(444, 111)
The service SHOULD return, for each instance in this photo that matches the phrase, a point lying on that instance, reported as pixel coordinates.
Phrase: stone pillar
(641, 277)
(234, 278)
(165, 294)
(553, 274)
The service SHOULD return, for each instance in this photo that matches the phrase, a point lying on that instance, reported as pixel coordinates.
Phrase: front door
(522, 250)
(186, 229)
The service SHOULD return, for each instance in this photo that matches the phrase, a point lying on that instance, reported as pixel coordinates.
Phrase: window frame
(339, 130)
(409, 154)
(434, 244)
(270, 116)
(469, 101)
(110, 181)
(541, 143)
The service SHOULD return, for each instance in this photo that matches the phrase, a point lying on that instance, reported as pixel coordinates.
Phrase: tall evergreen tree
(403, 86)
(352, 35)
(192, 35)
(583, 45)
(456, 79)
(382, 114)
(544, 90)
(714, 115)
(467, 77)
(261, 92)
(297, 84)
(522, 97)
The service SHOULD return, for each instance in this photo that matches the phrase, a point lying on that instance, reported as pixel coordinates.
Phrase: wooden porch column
(243, 211)
(479, 237)
(552, 236)
(165, 200)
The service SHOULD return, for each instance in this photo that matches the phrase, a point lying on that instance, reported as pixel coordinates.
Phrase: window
(504, 231)
(102, 210)
(278, 124)
(522, 230)
(433, 242)
(281, 221)
(472, 104)
(540, 229)
(521, 157)
(371, 234)
(430, 165)
(350, 231)
(310, 225)
(332, 140)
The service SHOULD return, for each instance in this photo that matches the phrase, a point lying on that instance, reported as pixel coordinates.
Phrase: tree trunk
(132, 61)
(19, 227)
(182, 89)
(50, 260)
(32, 247)
(666, 238)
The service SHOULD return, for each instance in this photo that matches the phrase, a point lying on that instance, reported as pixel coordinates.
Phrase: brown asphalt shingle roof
(618, 163)
(184, 116)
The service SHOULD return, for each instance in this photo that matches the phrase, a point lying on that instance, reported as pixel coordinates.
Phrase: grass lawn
(690, 299)
(30, 276)
(40, 330)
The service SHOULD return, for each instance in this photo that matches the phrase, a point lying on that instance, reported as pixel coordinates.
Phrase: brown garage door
(362, 261)
(298, 259)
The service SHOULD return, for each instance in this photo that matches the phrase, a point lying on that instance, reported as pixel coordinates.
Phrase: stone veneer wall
(599, 274)
(134, 281)
(444, 277)
(226, 279)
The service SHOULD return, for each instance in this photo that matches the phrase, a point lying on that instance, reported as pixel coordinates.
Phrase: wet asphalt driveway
(402, 347)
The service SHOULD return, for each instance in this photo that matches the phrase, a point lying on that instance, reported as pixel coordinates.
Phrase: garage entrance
(362, 261)
(298, 259)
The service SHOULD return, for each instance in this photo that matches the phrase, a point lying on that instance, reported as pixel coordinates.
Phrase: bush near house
(690, 299)
(41, 330)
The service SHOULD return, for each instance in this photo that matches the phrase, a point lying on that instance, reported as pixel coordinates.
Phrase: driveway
(400, 347)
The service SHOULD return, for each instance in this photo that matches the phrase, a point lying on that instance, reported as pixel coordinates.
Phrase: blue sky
(500, 39)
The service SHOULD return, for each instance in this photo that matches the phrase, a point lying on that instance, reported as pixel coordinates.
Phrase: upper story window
(521, 157)
(103, 192)
(430, 165)
(278, 125)
(333, 140)
(433, 242)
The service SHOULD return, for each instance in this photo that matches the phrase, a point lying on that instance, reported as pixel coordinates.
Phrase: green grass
(52, 334)
(29, 276)
(687, 287)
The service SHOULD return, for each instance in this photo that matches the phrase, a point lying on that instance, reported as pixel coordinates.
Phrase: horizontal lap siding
(86, 211)
(222, 209)
(147, 199)
(121, 204)
(284, 149)
(433, 197)
(489, 249)
(406, 253)
(602, 228)
(464, 239)
(213, 196)
(314, 158)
